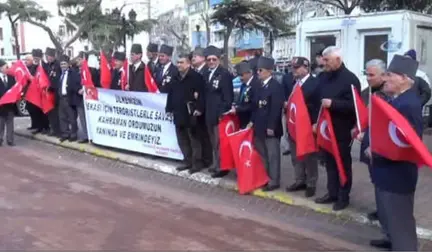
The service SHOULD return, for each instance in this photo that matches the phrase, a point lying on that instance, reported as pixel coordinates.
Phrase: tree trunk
(15, 34)
(208, 34)
(227, 36)
(271, 38)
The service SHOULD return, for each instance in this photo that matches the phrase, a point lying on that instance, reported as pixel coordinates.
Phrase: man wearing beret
(395, 181)
(199, 61)
(152, 55)
(68, 90)
(267, 121)
(118, 71)
(167, 73)
(219, 99)
(249, 88)
(7, 111)
(136, 70)
(53, 70)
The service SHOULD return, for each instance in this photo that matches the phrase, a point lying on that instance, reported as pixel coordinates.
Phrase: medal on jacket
(215, 84)
(166, 80)
(262, 103)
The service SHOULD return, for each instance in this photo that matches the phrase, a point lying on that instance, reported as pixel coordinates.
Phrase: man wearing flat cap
(118, 71)
(395, 181)
(7, 111)
(267, 121)
(53, 71)
(219, 99)
(249, 88)
(199, 61)
(167, 73)
(152, 55)
(68, 90)
(305, 170)
(136, 70)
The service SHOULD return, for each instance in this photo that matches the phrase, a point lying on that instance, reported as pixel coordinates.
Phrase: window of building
(319, 43)
(86, 48)
(14, 52)
(62, 30)
(1, 33)
(372, 48)
(69, 52)
(2, 51)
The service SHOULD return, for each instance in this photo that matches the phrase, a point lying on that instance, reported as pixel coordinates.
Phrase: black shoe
(36, 131)
(31, 128)
(269, 188)
(82, 141)
(296, 187)
(183, 168)
(326, 199)
(72, 139)
(286, 153)
(45, 132)
(11, 144)
(340, 205)
(62, 139)
(194, 170)
(382, 244)
(219, 174)
(310, 192)
(373, 216)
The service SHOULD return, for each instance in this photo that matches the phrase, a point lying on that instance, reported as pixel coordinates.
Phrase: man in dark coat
(30, 107)
(136, 70)
(118, 71)
(249, 88)
(152, 55)
(68, 87)
(181, 102)
(335, 87)
(267, 121)
(199, 65)
(53, 70)
(396, 181)
(7, 111)
(219, 98)
(167, 74)
(305, 170)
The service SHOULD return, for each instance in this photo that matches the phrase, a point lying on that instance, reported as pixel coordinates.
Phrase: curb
(166, 167)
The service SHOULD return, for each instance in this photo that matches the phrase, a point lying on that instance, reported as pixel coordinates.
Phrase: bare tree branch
(48, 30)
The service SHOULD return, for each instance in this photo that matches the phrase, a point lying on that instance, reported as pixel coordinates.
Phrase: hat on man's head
(50, 52)
(166, 49)
(266, 63)
(152, 48)
(64, 58)
(403, 65)
(243, 67)
(300, 61)
(136, 48)
(198, 52)
(119, 56)
(212, 50)
(2, 63)
(412, 54)
(37, 53)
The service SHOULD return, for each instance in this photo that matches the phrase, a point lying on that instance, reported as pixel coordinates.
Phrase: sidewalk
(362, 197)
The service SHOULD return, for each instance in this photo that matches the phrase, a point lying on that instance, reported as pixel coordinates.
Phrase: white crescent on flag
(392, 130)
(323, 127)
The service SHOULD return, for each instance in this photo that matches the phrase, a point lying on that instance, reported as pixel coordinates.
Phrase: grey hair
(333, 50)
(381, 65)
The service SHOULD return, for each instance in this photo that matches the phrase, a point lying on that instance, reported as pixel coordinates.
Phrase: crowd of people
(200, 91)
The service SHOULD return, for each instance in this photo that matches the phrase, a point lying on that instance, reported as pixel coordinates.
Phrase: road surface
(59, 199)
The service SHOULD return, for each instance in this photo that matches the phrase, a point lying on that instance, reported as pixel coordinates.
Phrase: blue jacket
(396, 176)
(73, 86)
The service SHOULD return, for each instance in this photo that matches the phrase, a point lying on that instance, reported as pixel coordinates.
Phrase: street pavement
(362, 197)
(53, 198)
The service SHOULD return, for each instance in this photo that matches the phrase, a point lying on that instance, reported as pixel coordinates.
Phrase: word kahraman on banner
(133, 121)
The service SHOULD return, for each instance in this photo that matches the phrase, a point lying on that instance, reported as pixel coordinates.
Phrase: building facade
(8, 50)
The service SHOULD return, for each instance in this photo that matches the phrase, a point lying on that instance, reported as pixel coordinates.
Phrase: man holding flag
(7, 111)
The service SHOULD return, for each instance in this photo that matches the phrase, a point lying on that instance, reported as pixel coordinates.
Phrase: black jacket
(219, 95)
(423, 90)
(73, 86)
(53, 70)
(288, 84)
(244, 104)
(32, 69)
(136, 78)
(95, 75)
(116, 79)
(181, 95)
(165, 80)
(4, 109)
(336, 86)
(153, 67)
(311, 96)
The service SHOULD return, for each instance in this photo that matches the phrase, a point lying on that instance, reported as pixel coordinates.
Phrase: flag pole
(356, 108)
(370, 123)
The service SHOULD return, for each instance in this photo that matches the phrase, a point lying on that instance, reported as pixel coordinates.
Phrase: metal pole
(124, 32)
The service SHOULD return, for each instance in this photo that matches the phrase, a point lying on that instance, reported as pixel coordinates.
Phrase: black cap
(403, 65)
(212, 50)
(2, 63)
(243, 67)
(119, 56)
(152, 48)
(300, 61)
(50, 52)
(265, 63)
(166, 49)
(198, 52)
(37, 53)
(136, 48)
(64, 58)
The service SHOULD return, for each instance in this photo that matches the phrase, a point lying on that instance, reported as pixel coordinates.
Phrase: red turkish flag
(105, 71)
(34, 93)
(227, 125)
(299, 123)
(251, 173)
(86, 78)
(47, 98)
(13, 95)
(19, 70)
(393, 137)
(91, 93)
(149, 81)
(326, 139)
(362, 113)
(124, 75)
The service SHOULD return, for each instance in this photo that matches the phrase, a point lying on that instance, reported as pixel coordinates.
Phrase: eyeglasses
(212, 59)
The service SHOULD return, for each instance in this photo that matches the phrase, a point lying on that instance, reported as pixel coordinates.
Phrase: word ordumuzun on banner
(133, 121)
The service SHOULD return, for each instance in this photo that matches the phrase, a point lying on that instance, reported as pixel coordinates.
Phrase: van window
(372, 48)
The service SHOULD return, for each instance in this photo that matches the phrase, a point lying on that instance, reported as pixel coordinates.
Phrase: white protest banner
(133, 121)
